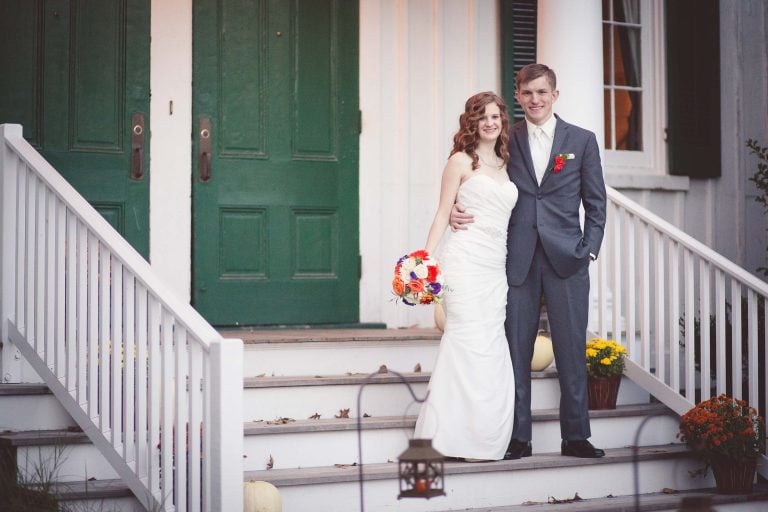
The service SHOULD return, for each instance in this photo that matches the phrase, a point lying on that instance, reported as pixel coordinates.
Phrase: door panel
(275, 228)
(76, 73)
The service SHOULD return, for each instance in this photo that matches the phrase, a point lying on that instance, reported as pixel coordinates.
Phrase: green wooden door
(75, 75)
(275, 185)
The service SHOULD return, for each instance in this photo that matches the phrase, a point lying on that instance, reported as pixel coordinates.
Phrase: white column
(170, 219)
(570, 41)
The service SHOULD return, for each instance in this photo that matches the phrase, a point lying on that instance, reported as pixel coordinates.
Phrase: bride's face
(489, 126)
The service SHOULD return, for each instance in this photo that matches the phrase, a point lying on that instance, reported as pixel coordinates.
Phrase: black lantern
(420, 466)
(421, 471)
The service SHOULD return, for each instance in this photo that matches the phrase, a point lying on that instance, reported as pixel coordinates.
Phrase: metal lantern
(421, 471)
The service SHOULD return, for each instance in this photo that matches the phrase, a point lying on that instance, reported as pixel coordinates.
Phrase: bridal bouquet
(418, 279)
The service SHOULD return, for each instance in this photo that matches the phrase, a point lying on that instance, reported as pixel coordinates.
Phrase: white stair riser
(488, 489)
(72, 462)
(32, 412)
(328, 358)
(313, 449)
(392, 399)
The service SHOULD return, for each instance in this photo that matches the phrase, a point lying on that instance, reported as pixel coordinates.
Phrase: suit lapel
(561, 133)
(521, 137)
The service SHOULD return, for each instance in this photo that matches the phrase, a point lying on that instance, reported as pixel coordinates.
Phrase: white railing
(693, 321)
(157, 390)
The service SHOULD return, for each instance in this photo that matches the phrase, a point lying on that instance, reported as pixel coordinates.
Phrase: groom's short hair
(532, 72)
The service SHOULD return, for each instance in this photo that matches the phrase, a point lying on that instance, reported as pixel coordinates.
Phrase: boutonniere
(560, 160)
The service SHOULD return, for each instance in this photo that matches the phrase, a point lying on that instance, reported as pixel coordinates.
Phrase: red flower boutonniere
(560, 160)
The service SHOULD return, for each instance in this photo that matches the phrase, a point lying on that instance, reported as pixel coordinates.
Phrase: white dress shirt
(540, 140)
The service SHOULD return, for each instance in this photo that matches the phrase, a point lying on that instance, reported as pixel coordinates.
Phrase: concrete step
(317, 351)
(24, 406)
(472, 486)
(325, 442)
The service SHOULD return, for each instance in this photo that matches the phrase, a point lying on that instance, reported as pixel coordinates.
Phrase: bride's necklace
(496, 165)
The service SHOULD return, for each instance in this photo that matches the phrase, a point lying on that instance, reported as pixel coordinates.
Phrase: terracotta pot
(603, 391)
(734, 476)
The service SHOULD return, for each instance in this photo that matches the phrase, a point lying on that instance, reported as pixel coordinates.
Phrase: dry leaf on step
(552, 500)
(343, 413)
(315, 416)
(417, 368)
(366, 415)
(345, 465)
(667, 490)
(383, 369)
(270, 462)
(280, 421)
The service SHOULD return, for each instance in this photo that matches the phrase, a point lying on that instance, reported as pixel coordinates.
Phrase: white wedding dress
(470, 407)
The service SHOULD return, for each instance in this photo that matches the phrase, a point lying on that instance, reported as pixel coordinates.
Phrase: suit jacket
(550, 211)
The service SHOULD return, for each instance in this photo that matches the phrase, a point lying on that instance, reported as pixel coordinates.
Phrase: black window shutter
(693, 87)
(518, 46)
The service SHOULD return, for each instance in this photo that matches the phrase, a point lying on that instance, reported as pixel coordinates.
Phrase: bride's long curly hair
(467, 137)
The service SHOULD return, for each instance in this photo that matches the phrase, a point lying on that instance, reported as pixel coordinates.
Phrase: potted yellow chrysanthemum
(605, 364)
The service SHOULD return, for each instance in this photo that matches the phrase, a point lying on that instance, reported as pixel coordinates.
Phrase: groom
(556, 168)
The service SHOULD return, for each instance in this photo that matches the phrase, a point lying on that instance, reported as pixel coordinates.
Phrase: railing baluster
(71, 294)
(752, 355)
(736, 339)
(83, 398)
(616, 260)
(630, 286)
(29, 263)
(154, 395)
(674, 315)
(601, 298)
(106, 348)
(181, 453)
(143, 441)
(645, 296)
(40, 263)
(720, 315)
(60, 332)
(49, 277)
(690, 331)
(167, 412)
(20, 315)
(705, 296)
(118, 356)
(129, 368)
(659, 273)
(195, 397)
(93, 328)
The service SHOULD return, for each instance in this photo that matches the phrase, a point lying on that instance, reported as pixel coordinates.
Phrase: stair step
(25, 405)
(657, 501)
(316, 351)
(474, 485)
(324, 442)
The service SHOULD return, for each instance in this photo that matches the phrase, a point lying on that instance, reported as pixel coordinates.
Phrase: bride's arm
(459, 165)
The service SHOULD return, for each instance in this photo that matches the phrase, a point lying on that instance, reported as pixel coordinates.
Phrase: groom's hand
(460, 219)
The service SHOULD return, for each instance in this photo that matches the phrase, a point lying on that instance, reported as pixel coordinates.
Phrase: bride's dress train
(470, 408)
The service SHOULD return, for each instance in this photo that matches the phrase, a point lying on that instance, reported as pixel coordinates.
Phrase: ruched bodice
(470, 408)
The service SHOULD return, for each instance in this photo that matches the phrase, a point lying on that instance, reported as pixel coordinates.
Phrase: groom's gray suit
(549, 255)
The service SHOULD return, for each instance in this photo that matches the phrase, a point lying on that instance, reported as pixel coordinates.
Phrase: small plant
(760, 179)
(605, 358)
(723, 428)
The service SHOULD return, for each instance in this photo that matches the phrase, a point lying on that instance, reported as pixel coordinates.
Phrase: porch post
(226, 433)
(10, 365)
(570, 41)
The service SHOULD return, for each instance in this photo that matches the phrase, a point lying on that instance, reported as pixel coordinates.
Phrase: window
(633, 92)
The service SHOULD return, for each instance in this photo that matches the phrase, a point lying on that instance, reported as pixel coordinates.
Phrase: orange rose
(416, 286)
(398, 286)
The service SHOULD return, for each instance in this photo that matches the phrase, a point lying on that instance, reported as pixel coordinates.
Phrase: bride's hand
(459, 218)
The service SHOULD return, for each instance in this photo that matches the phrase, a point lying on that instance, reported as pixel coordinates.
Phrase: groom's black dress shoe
(518, 449)
(583, 449)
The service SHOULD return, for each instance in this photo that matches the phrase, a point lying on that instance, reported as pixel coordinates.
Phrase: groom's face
(537, 97)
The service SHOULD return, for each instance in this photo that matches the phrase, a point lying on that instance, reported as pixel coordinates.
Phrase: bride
(470, 408)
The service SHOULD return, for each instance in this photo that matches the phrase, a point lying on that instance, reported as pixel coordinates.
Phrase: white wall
(419, 62)
(170, 151)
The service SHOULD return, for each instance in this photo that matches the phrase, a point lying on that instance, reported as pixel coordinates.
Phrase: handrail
(692, 320)
(136, 368)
